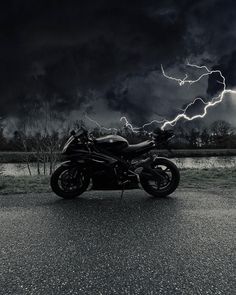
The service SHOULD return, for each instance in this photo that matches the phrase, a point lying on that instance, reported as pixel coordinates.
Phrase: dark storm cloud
(58, 51)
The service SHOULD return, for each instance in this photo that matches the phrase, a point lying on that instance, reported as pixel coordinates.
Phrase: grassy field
(202, 179)
(24, 184)
(19, 157)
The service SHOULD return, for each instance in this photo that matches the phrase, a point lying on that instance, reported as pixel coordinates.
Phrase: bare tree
(205, 137)
(221, 128)
(48, 137)
(3, 141)
(24, 143)
(221, 133)
(1, 169)
(37, 134)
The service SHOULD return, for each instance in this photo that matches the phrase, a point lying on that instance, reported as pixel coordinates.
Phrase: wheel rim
(71, 180)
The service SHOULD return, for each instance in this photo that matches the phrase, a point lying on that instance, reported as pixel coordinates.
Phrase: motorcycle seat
(132, 148)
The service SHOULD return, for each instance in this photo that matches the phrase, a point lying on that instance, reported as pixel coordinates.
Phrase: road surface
(99, 245)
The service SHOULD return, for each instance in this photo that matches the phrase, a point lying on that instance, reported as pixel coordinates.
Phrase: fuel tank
(111, 143)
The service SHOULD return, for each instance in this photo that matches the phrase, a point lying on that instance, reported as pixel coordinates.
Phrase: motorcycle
(112, 160)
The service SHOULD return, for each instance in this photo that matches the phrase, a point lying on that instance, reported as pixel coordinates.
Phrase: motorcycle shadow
(110, 202)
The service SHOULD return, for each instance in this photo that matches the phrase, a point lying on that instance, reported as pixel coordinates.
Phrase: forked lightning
(183, 115)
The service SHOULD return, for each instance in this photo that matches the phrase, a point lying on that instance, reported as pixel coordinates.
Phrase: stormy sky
(103, 57)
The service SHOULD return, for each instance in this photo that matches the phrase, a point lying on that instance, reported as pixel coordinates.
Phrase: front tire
(69, 182)
(161, 179)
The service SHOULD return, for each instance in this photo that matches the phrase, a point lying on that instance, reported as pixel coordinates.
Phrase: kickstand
(122, 193)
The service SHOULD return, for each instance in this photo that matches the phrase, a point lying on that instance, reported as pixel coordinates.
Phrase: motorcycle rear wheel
(166, 184)
(69, 182)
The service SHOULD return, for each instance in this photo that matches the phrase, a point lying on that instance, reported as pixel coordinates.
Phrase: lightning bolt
(99, 125)
(127, 124)
(137, 129)
(213, 102)
(183, 115)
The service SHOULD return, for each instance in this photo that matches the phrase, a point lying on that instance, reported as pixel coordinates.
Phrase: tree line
(219, 134)
(41, 140)
(47, 139)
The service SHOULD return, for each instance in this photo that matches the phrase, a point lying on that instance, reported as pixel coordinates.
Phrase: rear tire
(69, 182)
(161, 189)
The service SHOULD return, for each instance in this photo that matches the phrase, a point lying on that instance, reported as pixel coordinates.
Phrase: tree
(23, 140)
(194, 137)
(47, 139)
(3, 140)
(221, 128)
(221, 133)
(205, 137)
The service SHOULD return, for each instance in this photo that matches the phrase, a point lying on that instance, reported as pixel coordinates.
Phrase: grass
(16, 157)
(202, 179)
(213, 178)
(24, 184)
(203, 152)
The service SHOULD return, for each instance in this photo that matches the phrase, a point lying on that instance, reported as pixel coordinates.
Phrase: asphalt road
(98, 245)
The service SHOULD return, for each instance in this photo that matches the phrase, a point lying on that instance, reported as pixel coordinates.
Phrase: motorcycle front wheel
(69, 182)
(161, 179)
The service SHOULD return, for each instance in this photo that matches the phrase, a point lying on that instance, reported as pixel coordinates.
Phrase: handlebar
(82, 134)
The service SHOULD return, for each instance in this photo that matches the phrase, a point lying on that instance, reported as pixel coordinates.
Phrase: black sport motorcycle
(110, 161)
